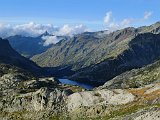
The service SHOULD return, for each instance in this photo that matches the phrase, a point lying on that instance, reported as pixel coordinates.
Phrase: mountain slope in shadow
(9, 56)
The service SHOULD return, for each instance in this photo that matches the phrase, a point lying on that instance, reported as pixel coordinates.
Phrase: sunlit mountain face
(79, 60)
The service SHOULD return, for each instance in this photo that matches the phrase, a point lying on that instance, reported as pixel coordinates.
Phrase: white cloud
(34, 29)
(71, 30)
(112, 25)
(29, 29)
(126, 22)
(63, 31)
(108, 17)
(50, 40)
(147, 15)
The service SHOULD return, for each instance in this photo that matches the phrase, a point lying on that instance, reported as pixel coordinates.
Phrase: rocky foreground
(25, 97)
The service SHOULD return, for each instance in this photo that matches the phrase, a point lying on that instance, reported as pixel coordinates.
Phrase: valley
(92, 75)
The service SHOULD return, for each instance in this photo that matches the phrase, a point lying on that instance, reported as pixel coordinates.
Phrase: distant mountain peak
(46, 33)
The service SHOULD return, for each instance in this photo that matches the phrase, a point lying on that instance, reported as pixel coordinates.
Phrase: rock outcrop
(120, 104)
(99, 97)
(21, 92)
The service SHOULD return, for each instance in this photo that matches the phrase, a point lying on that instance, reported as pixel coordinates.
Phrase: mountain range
(28, 46)
(100, 56)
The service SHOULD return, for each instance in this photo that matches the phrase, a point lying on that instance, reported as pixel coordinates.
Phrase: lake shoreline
(76, 83)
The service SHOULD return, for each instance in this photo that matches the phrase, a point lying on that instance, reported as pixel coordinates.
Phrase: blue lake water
(70, 82)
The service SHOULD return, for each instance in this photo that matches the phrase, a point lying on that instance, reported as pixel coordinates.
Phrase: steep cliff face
(9, 56)
(143, 50)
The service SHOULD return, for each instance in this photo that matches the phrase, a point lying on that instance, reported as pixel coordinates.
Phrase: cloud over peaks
(29, 29)
(48, 40)
(112, 25)
(34, 29)
(108, 18)
(71, 30)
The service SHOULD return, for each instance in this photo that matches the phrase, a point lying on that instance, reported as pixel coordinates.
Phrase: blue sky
(88, 12)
